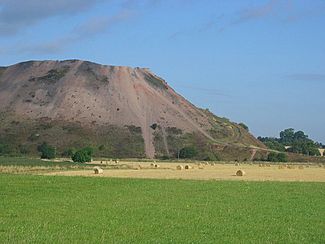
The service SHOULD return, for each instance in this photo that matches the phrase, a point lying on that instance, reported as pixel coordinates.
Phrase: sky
(261, 62)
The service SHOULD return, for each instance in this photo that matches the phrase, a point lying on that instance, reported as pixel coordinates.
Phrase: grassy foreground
(48, 209)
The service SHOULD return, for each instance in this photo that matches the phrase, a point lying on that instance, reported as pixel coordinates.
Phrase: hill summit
(120, 111)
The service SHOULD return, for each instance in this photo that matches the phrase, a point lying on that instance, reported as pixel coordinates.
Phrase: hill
(120, 111)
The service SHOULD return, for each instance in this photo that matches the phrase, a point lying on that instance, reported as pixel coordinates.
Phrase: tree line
(293, 141)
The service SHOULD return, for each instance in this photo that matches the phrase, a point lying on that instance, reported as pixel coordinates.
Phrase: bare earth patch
(312, 173)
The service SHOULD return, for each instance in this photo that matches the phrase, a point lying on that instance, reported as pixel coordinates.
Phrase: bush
(83, 155)
(23, 149)
(4, 149)
(188, 152)
(89, 151)
(244, 126)
(282, 157)
(277, 157)
(209, 156)
(47, 151)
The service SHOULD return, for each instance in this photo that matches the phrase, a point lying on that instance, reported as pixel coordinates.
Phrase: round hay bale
(260, 165)
(179, 167)
(281, 167)
(98, 170)
(301, 167)
(152, 165)
(187, 166)
(201, 166)
(240, 173)
(237, 164)
(156, 166)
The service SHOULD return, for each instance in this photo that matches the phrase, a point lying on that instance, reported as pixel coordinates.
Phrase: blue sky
(261, 62)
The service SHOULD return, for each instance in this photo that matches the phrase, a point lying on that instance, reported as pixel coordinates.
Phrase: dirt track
(209, 172)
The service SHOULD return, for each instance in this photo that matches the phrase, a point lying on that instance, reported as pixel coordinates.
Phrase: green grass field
(33, 162)
(49, 209)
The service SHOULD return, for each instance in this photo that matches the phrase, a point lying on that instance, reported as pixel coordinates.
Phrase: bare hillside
(115, 107)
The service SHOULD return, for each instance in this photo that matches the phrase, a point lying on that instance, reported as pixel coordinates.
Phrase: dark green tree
(282, 157)
(47, 151)
(4, 149)
(300, 135)
(82, 156)
(298, 142)
(188, 152)
(275, 145)
(277, 157)
(287, 136)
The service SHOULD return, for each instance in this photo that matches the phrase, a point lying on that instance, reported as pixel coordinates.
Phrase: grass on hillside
(48, 209)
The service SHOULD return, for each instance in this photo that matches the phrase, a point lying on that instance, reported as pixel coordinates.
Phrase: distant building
(321, 151)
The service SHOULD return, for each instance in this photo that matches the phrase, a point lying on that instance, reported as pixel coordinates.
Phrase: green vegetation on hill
(244, 126)
(22, 137)
(52, 75)
(47, 209)
(90, 71)
(155, 81)
(298, 142)
(182, 145)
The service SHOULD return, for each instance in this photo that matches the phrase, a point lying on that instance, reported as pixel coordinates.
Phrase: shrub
(209, 156)
(47, 151)
(4, 149)
(282, 157)
(164, 157)
(154, 126)
(277, 157)
(23, 149)
(83, 155)
(89, 151)
(188, 152)
(244, 126)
